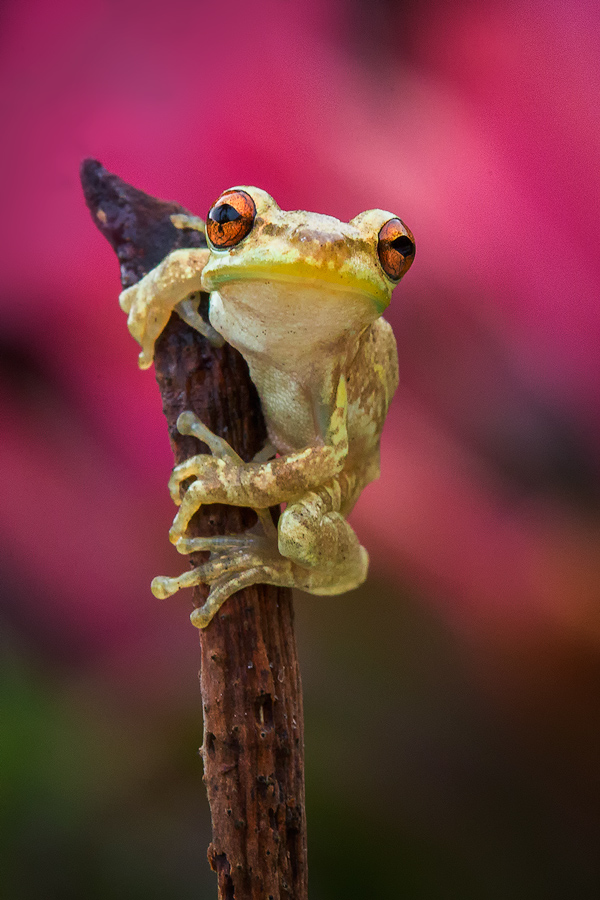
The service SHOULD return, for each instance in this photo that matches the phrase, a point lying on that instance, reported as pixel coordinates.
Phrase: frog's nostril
(314, 235)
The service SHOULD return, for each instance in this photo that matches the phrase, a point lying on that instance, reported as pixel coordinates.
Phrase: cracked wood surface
(253, 748)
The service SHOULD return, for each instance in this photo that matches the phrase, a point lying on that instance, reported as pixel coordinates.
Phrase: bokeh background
(453, 745)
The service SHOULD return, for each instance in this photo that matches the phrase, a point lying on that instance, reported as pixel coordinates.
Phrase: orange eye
(230, 219)
(396, 249)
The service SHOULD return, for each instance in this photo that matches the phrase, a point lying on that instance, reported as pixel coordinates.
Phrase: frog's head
(252, 239)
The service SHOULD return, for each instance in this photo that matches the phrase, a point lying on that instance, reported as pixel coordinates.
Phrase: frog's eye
(230, 219)
(396, 249)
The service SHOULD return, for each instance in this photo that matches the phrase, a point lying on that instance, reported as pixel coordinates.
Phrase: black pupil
(403, 245)
(224, 213)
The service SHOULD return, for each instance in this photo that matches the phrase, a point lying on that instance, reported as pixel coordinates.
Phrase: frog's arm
(174, 285)
(222, 479)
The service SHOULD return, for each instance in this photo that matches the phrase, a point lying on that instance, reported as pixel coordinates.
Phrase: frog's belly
(289, 416)
(289, 413)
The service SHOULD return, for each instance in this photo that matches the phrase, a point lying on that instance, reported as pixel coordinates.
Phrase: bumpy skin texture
(300, 296)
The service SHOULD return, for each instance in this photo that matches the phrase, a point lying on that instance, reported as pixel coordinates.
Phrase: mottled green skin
(301, 297)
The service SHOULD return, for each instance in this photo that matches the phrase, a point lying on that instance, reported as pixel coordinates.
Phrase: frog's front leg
(225, 478)
(189, 424)
(173, 285)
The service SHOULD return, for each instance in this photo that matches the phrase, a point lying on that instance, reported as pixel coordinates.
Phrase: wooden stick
(253, 748)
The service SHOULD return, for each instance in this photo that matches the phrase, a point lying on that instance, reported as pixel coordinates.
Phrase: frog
(301, 296)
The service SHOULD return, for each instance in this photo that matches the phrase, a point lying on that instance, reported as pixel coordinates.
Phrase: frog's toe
(180, 524)
(232, 582)
(188, 423)
(220, 544)
(181, 473)
(163, 587)
(145, 359)
(191, 502)
(220, 592)
(224, 568)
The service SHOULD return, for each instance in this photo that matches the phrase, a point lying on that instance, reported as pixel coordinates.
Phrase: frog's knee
(298, 531)
(311, 536)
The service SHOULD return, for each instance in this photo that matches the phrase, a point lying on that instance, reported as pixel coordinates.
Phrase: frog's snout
(323, 239)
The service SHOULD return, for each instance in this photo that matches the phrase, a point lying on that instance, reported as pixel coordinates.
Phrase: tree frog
(301, 296)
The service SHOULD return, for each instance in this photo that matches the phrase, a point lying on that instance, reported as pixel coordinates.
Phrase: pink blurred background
(478, 124)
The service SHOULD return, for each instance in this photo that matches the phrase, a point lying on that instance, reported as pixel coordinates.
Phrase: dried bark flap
(137, 226)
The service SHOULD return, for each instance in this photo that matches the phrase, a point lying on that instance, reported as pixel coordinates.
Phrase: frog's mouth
(289, 320)
(347, 279)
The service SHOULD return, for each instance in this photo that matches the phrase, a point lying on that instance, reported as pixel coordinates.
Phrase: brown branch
(253, 747)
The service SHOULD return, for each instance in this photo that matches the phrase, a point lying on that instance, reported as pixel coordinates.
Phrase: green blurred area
(96, 800)
(417, 785)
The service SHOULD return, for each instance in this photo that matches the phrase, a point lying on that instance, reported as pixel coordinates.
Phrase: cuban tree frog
(301, 297)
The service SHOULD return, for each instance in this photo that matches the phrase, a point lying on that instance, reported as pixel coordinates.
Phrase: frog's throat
(300, 273)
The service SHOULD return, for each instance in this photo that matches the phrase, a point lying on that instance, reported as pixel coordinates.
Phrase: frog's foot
(172, 285)
(225, 478)
(237, 562)
(317, 551)
(146, 315)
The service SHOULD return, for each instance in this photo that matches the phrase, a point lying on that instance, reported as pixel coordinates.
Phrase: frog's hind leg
(241, 565)
(315, 536)
(317, 552)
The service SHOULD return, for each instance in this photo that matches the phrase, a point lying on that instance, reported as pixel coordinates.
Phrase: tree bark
(253, 748)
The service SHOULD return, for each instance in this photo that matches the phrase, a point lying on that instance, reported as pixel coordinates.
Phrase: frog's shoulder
(372, 379)
(376, 363)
